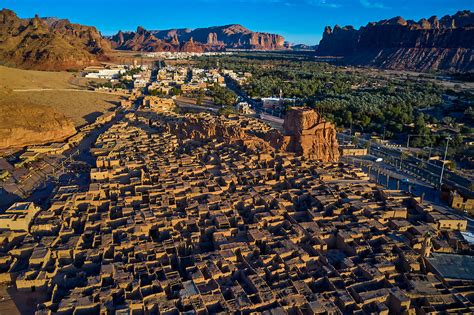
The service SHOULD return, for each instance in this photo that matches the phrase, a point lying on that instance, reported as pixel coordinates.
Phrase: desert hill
(48, 44)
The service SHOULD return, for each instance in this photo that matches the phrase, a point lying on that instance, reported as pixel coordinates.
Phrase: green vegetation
(222, 96)
(156, 93)
(393, 106)
(131, 72)
(173, 92)
(110, 85)
(344, 97)
(200, 97)
(227, 110)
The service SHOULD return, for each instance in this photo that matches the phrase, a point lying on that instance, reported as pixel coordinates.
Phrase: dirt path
(64, 90)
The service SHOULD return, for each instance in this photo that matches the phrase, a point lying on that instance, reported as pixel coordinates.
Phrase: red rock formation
(203, 128)
(212, 39)
(445, 44)
(142, 40)
(49, 44)
(200, 39)
(307, 134)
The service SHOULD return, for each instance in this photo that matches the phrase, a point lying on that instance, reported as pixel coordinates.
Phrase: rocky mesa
(49, 43)
(216, 38)
(427, 45)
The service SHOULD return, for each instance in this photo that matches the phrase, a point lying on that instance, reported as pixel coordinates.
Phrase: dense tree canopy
(345, 97)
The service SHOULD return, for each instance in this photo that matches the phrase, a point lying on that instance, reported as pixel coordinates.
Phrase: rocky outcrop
(427, 45)
(144, 40)
(22, 125)
(205, 128)
(49, 44)
(307, 134)
(197, 40)
(141, 40)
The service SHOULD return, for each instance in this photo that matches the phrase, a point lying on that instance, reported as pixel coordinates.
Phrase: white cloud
(325, 3)
(372, 5)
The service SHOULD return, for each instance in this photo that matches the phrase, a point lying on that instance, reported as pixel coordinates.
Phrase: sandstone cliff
(22, 125)
(307, 134)
(48, 44)
(197, 40)
(433, 44)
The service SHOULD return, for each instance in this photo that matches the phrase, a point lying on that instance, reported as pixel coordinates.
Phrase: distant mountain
(429, 44)
(48, 43)
(197, 40)
(304, 47)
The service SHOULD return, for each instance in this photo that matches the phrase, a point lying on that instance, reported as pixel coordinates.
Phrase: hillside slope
(48, 44)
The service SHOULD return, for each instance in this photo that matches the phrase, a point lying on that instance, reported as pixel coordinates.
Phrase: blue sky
(300, 21)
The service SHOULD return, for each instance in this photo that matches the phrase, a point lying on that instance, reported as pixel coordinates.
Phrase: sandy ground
(82, 107)
(13, 302)
(207, 101)
(11, 78)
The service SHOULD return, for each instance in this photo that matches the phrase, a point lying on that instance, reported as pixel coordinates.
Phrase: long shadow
(23, 302)
(115, 103)
(7, 199)
(90, 118)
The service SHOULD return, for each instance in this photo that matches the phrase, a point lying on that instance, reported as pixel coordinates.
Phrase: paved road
(422, 169)
(256, 105)
(389, 176)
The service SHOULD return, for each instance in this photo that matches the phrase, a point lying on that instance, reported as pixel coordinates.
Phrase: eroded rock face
(307, 134)
(205, 127)
(48, 43)
(144, 40)
(23, 125)
(202, 128)
(430, 44)
(197, 40)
